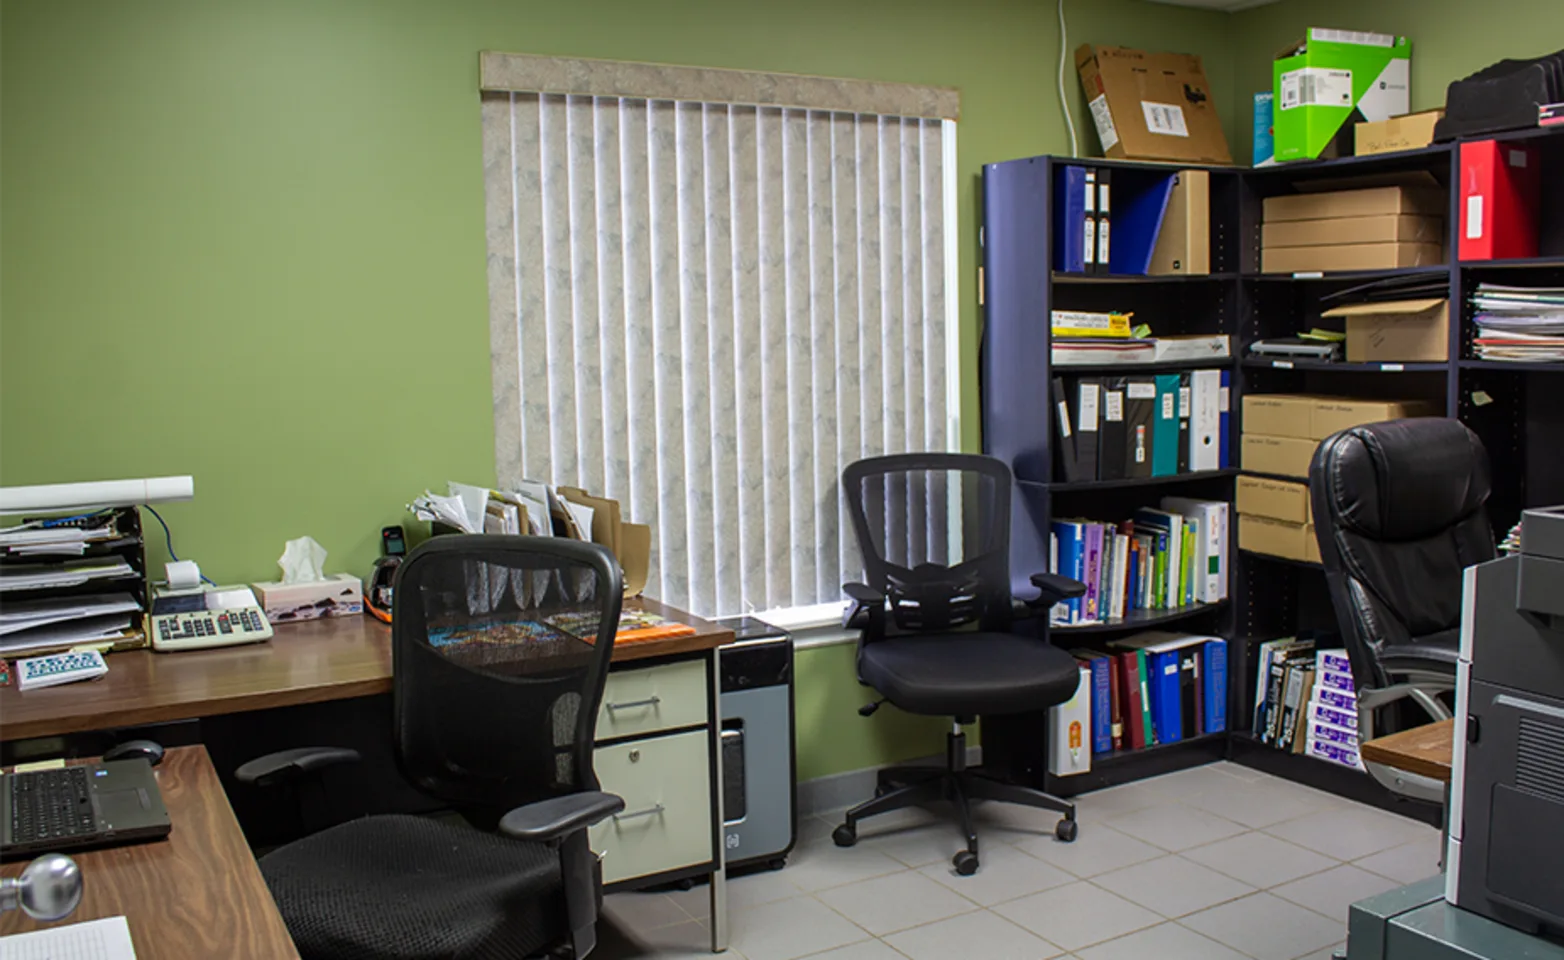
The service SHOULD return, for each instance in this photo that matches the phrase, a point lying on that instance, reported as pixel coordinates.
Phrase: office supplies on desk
(48, 889)
(1296, 348)
(81, 806)
(194, 619)
(58, 668)
(105, 939)
(378, 592)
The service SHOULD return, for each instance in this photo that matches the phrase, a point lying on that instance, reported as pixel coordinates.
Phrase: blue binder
(1072, 559)
(1215, 680)
(1164, 431)
(1225, 415)
(1166, 707)
(1137, 220)
(1102, 705)
(1070, 215)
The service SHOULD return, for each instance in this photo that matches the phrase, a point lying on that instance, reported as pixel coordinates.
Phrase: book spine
(1093, 562)
(1116, 701)
(1102, 707)
(1143, 677)
(1336, 698)
(1216, 685)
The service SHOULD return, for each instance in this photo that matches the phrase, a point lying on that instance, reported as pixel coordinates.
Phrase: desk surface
(321, 660)
(1424, 750)
(196, 894)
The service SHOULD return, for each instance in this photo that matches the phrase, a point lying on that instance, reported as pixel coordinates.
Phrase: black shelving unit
(1513, 407)
(1140, 620)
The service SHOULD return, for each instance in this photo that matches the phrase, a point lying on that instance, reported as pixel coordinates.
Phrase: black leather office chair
(1399, 514)
(936, 616)
(500, 649)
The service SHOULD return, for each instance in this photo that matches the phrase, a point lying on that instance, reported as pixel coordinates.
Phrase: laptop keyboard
(51, 805)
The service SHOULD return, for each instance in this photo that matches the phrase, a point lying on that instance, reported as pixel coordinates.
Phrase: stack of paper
(1519, 324)
(51, 541)
(68, 574)
(64, 622)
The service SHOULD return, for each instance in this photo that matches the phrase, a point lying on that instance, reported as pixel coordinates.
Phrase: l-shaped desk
(658, 730)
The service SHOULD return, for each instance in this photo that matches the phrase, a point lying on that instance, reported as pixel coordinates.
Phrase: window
(706, 305)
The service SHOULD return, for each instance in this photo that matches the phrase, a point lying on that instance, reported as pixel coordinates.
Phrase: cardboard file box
(1276, 499)
(1352, 256)
(1287, 456)
(1410, 132)
(1420, 201)
(1313, 417)
(1278, 538)
(1398, 331)
(1384, 228)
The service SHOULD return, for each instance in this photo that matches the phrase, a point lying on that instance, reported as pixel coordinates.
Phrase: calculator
(198, 629)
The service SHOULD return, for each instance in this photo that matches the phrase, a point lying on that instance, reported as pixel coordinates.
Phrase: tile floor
(1215, 863)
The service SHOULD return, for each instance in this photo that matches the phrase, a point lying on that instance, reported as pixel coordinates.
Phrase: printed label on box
(1164, 118)
(1103, 117)
(1359, 37)
(1316, 87)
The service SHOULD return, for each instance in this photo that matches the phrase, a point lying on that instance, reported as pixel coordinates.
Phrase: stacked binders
(1152, 425)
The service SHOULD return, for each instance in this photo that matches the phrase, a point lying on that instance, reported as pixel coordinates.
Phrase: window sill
(819, 625)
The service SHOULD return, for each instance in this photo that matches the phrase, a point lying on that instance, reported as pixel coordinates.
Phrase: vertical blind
(705, 311)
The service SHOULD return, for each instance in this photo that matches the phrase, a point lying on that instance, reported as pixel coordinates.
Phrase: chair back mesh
(500, 650)
(934, 530)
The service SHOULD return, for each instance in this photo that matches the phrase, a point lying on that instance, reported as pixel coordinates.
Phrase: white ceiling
(1227, 5)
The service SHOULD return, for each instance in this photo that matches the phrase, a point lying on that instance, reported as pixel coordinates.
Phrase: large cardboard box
(1421, 201)
(1277, 499)
(1184, 243)
(1333, 77)
(1351, 256)
(1398, 133)
(1278, 538)
(1399, 331)
(1151, 106)
(1279, 414)
(1314, 417)
(1386, 228)
(1285, 456)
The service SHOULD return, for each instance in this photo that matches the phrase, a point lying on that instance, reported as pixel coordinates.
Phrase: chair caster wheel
(1066, 830)
(845, 835)
(776, 863)
(965, 862)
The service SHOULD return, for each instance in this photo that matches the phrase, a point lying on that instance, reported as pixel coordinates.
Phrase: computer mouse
(148, 750)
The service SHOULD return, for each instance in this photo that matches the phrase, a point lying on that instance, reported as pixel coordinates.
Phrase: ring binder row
(1132, 427)
(1132, 222)
(73, 582)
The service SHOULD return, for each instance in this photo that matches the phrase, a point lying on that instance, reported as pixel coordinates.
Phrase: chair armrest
(1055, 588)
(867, 611)
(549, 820)
(285, 766)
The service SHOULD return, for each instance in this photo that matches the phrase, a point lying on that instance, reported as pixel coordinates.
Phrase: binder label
(1103, 118)
(1167, 406)
(1102, 241)
(1167, 118)
(1474, 217)
(1089, 189)
(1183, 402)
(1224, 399)
(1142, 391)
(1088, 422)
(1064, 420)
(1113, 406)
(1091, 240)
(1140, 444)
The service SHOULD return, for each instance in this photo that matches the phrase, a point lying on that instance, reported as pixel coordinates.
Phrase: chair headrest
(1402, 479)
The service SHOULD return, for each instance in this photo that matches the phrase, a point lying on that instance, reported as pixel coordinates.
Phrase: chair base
(901, 787)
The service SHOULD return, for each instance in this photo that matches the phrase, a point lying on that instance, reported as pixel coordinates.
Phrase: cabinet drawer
(666, 822)
(649, 699)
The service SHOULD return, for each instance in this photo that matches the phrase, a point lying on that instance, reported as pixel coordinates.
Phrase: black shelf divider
(1361, 275)
(1177, 478)
(1339, 366)
(1139, 620)
(1511, 367)
(1162, 366)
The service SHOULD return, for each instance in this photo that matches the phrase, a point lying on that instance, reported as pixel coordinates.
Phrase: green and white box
(1335, 79)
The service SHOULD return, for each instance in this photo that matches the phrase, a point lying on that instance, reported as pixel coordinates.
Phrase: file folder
(1112, 449)
(1164, 457)
(1140, 419)
(1088, 420)
(1136, 223)
(1072, 248)
(1104, 214)
(1067, 466)
(1225, 420)
(1205, 420)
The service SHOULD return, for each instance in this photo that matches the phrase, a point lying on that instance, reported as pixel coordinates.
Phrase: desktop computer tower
(759, 770)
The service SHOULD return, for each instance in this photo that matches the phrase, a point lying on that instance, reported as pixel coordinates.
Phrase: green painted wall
(1450, 39)
(244, 240)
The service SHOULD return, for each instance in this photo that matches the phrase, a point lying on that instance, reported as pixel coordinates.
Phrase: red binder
(1501, 188)
(1129, 698)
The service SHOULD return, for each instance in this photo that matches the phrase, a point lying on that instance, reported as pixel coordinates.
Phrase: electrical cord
(1064, 98)
(168, 538)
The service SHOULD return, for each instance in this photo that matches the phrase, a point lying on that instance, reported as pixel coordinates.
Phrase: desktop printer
(1505, 858)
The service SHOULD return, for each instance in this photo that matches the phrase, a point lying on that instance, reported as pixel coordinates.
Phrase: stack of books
(1151, 689)
(1161, 559)
(1306, 702)
(1084, 338)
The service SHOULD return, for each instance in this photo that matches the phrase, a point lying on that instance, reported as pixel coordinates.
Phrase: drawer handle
(651, 811)
(648, 702)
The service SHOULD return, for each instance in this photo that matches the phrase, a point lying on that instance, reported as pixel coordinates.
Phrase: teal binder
(1164, 434)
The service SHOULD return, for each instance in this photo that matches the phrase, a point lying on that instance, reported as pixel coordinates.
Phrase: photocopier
(1505, 858)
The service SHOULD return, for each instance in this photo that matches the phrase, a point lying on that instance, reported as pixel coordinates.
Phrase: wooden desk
(196, 894)
(1424, 750)
(311, 662)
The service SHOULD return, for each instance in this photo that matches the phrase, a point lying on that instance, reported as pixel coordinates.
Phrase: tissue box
(339, 595)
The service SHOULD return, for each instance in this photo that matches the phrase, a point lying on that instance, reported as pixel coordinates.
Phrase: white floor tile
(915, 846)
(791, 928)
(683, 941)
(1257, 804)
(1174, 826)
(1407, 863)
(1167, 941)
(1266, 927)
(865, 950)
(644, 911)
(1184, 784)
(1077, 915)
(1097, 849)
(1012, 822)
(825, 865)
(1325, 953)
(1259, 859)
(1332, 892)
(1004, 873)
(1350, 832)
(1102, 804)
(982, 934)
(887, 904)
(1241, 772)
(1173, 886)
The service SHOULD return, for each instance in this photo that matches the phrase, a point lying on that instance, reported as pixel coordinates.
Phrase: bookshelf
(1513, 407)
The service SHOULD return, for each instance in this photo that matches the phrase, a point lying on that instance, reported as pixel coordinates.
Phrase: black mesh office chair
(500, 649)
(936, 616)
(1399, 514)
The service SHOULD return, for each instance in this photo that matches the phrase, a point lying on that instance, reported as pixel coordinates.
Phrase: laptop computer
(73, 808)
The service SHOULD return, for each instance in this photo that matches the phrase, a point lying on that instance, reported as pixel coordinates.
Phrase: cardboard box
(1334, 76)
(1399, 331)
(1279, 414)
(339, 595)
(1286, 456)
(1276, 499)
(1398, 133)
(1278, 538)
(1315, 417)
(1151, 106)
(1351, 256)
(1263, 146)
(1184, 242)
(1386, 228)
(1396, 200)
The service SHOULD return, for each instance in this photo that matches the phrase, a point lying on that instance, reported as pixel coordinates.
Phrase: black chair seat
(965, 674)
(408, 887)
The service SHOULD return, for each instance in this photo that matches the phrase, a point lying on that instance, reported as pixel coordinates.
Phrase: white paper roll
(183, 574)
(107, 493)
